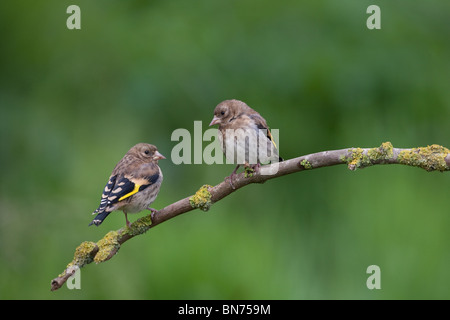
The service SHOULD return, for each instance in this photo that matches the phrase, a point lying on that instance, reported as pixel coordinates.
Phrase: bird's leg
(230, 178)
(126, 219)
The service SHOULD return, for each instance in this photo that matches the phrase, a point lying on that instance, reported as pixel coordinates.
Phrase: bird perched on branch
(244, 136)
(133, 184)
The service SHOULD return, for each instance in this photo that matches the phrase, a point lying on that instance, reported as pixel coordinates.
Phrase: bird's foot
(153, 212)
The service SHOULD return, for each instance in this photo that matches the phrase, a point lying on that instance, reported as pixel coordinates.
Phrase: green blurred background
(74, 101)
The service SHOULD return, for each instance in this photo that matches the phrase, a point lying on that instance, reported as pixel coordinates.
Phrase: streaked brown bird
(133, 185)
(244, 136)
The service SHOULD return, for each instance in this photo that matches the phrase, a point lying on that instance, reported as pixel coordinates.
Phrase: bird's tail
(99, 218)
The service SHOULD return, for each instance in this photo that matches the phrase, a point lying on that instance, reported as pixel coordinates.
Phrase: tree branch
(431, 158)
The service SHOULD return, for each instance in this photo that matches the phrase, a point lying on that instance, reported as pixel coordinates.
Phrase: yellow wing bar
(135, 190)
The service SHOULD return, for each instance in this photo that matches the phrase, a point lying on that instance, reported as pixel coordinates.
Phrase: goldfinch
(244, 135)
(133, 184)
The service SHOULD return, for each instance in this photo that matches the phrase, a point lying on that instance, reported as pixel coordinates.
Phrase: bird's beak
(214, 121)
(158, 156)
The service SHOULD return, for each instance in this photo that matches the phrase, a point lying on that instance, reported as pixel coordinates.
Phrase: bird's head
(146, 152)
(226, 111)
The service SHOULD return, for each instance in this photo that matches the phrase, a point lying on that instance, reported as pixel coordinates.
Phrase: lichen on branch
(430, 158)
(202, 198)
(107, 247)
(358, 158)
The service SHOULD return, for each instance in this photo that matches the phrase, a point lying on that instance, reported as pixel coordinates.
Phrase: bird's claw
(153, 212)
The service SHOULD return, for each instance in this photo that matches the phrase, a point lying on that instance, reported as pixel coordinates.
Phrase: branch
(431, 158)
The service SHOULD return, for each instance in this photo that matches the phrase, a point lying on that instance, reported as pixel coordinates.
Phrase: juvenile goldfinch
(244, 136)
(133, 184)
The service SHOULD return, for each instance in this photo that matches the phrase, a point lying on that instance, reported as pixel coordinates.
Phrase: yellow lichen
(83, 253)
(248, 172)
(82, 256)
(107, 246)
(202, 198)
(361, 158)
(140, 226)
(383, 152)
(306, 164)
(430, 158)
(357, 159)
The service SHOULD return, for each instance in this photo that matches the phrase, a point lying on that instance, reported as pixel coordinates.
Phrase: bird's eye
(146, 151)
(222, 112)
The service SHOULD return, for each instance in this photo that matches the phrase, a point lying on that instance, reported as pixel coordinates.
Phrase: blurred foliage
(74, 101)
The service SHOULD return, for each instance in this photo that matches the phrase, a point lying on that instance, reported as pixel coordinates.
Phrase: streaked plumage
(244, 135)
(133, 184)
